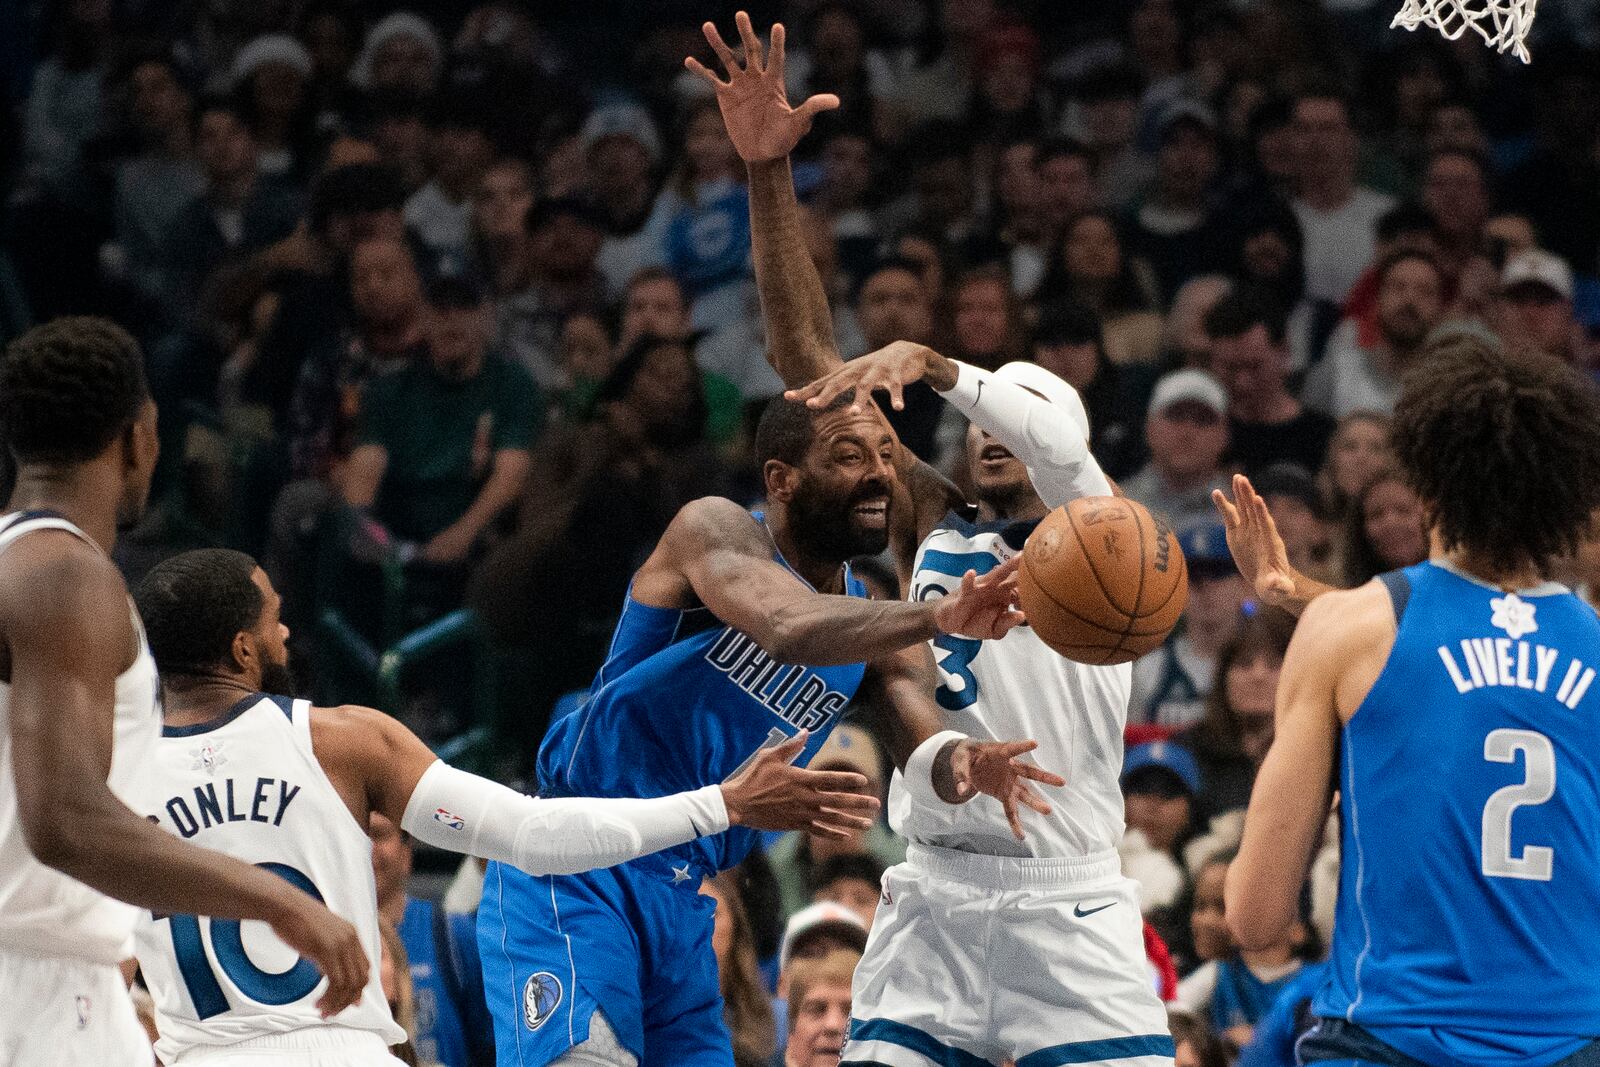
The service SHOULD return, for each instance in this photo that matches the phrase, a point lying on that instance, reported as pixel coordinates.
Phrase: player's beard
(829, 529)
(277, 678)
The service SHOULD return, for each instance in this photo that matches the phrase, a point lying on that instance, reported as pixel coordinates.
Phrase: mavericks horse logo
(540, 998)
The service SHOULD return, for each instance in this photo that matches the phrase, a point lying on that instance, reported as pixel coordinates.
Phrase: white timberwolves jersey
(248, 784)
(1017, 687)
(42, 911)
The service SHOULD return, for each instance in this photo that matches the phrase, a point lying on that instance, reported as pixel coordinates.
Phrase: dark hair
(1402, 255)
(1402, 218)
(1128, 292)
(787, 428)
(1069, 323)
(355, 189)
(1271, 215)
(1059, 147)
(1264, 633)
(227, 104)
(1360, 562)
(888, 263)
(1469, 417)
(69, 388)
(859, 865)
(194, 605)
(676, 433)
(1242, 310)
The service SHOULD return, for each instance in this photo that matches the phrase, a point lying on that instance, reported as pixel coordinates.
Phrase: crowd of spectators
(452, 306)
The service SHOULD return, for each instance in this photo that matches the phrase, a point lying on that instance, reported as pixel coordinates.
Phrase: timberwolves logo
(540, 998)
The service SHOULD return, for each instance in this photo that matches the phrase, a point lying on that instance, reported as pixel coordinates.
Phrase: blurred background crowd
(449, 308)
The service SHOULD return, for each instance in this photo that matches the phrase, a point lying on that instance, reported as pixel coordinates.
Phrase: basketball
(1102, 580)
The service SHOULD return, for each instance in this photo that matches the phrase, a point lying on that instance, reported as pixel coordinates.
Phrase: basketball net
(1503, 24)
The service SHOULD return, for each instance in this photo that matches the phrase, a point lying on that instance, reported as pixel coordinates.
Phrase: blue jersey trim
(1399, 585)
(1111, 1048)
(1013, 531)
(221, 720)
(909, 1037)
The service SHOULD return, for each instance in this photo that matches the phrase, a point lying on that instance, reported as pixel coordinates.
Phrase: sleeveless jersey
(1470, 783)
(683, 701)
(1018, 687)
(248, 784)
(42, 911)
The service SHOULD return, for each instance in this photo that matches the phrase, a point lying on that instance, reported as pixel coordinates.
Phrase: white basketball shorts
(67, 1013)
(323, 1046)
(976, 960)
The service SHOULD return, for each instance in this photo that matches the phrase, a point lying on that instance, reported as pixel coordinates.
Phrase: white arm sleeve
(1045, 437)
(461, 812)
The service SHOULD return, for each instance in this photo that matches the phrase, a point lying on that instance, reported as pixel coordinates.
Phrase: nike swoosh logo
(1080, 913)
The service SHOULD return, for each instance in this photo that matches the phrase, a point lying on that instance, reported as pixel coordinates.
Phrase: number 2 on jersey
(227, 941)
(1537, 786)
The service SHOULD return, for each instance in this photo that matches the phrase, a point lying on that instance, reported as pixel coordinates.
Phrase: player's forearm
(109, 848)
(463, 813)
(794, 307)
(1048, 440)
(823, 631)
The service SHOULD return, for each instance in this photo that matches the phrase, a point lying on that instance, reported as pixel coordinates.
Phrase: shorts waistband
(1015, 872)
(313, 1038)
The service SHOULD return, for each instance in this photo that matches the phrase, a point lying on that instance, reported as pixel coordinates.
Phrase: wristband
(918, 774)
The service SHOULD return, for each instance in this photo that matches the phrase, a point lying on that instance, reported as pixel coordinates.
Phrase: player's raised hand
(770, 793)
(329, 942)
(754, 106)
(993, 767)
(982, 607)
(889, 369)
(1253, 541)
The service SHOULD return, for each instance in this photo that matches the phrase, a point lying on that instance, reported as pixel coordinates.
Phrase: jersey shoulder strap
(21, 523)
(1398, 584)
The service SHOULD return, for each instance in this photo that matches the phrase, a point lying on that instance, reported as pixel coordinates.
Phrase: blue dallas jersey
(1470, 790)
(682, 702)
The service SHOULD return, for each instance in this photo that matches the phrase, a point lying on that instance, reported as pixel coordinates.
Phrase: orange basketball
(1102, 580)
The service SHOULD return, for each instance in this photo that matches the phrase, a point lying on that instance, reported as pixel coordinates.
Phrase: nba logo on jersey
(540, 998)
(208, 757)
(82, 1004)
(455, 822)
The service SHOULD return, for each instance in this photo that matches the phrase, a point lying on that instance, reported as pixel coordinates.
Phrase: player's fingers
(752, 43)
(720, 47)
(897, 394)
(1013, 749)
(1008, 568)
(852, 804)
(1243, 491)
(813, 105)
(775, 52)
(1230, 514)
(829, 829)
(843, 783)
(1037, 774)
(1033, 800)
(788, 750)
(697, 67)
(1013, 814)
(847, 818)
(969, 582)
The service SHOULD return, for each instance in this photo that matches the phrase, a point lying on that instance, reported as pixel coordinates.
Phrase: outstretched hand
(993, 767)
(755, 108)
(770, 793)
(982, 607)
(890, 369)
(1253, 541)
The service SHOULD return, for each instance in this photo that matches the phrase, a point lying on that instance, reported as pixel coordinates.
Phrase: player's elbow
(1255, 920)
(786, 637)
(57, 835)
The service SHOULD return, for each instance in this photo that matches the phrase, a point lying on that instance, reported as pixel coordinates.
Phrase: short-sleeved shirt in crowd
(441, 437)
(1340, 243)
(1254, 446)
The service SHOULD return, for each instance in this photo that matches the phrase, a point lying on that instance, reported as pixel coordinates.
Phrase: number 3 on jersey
(227, 942)
(960, 688)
